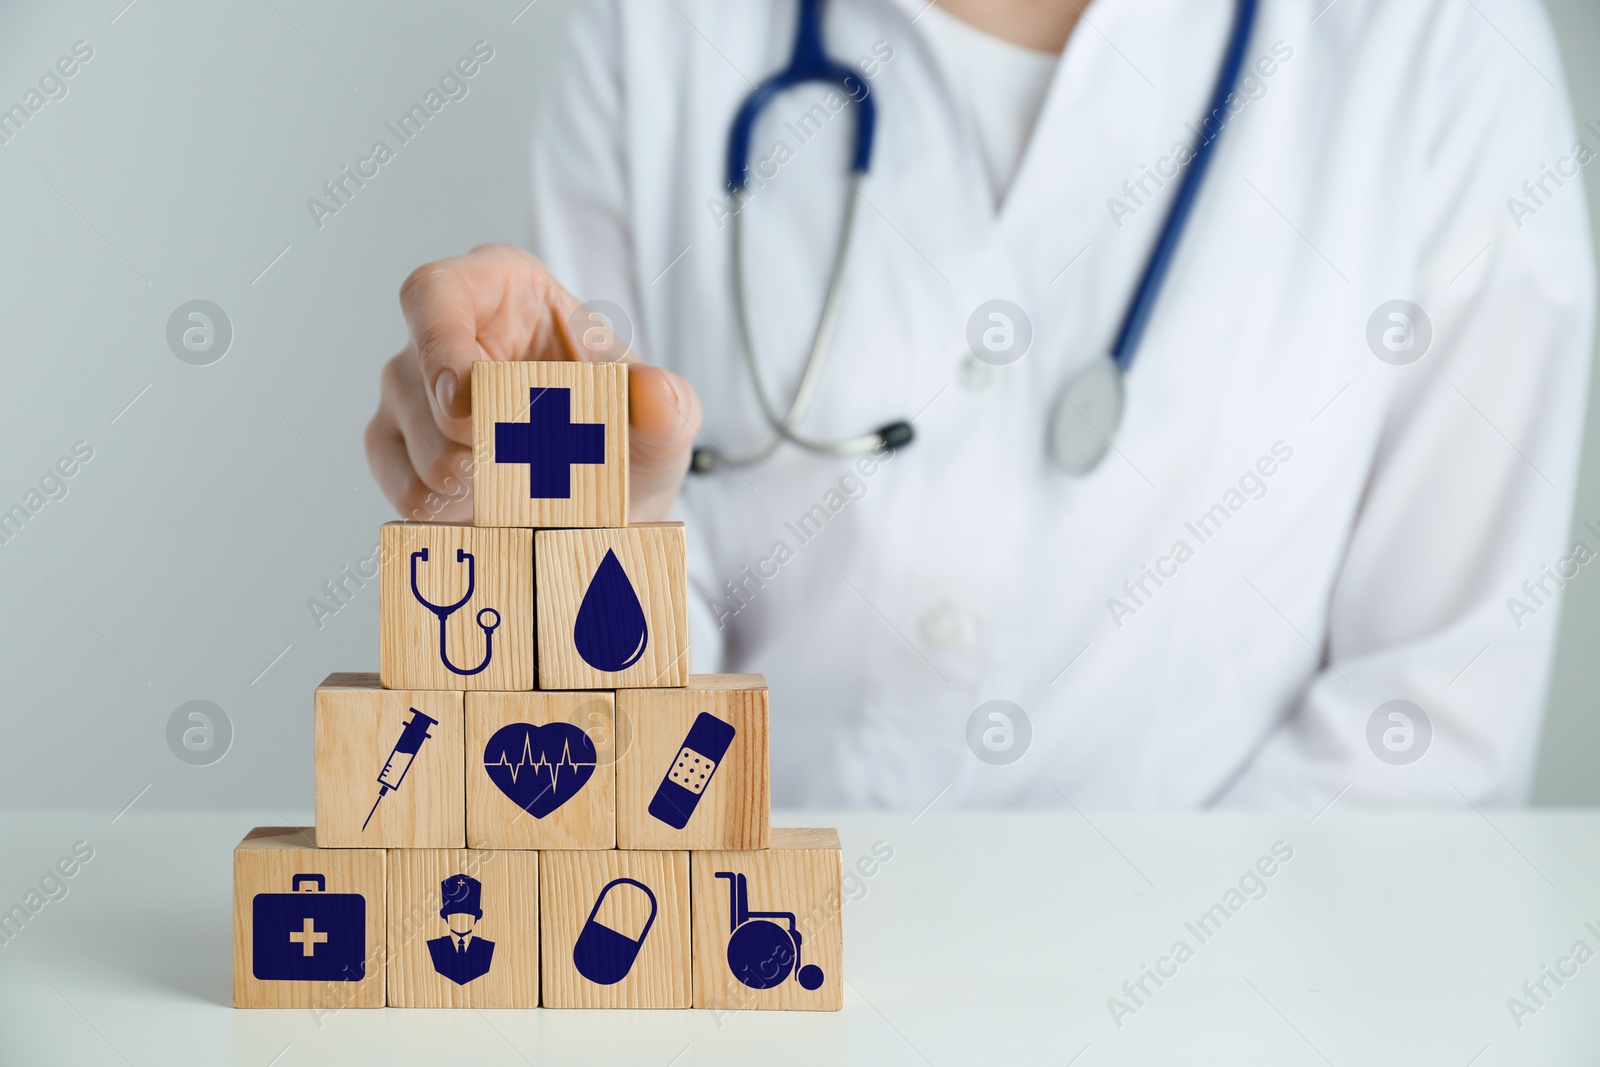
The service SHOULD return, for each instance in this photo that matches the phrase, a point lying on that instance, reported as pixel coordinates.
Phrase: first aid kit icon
(313, 936)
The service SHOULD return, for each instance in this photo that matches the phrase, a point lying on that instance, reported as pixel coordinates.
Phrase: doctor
(1344, 468)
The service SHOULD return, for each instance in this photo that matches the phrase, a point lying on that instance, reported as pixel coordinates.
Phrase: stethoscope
(444, 612)
(1090, 407)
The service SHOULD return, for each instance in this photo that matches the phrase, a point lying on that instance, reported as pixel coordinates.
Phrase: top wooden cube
(550, 444)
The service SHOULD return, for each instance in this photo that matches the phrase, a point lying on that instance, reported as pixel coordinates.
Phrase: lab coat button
(974, 375)
(940, 626)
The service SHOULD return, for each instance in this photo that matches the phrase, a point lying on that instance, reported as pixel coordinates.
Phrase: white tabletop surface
(987, 939)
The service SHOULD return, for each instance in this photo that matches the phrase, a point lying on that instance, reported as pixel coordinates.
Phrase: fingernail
(444, 390)
(679, 391)
(683, 401)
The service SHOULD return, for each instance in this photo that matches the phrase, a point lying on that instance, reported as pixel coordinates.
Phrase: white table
(988, 939)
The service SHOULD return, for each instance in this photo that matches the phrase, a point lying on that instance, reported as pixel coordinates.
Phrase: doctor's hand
(499, 303)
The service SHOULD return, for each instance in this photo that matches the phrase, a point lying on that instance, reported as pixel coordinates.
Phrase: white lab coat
(1405, 506)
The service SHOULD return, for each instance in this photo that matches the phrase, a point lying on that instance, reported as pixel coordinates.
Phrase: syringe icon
(405, 753)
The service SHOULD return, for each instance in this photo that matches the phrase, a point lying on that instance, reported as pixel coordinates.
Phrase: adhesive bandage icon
(690, 774)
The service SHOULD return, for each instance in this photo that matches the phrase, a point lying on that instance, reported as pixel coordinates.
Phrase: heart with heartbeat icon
(539, 767)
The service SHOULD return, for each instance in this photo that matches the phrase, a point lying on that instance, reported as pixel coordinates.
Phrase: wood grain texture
(408, 639)
(800, 873)
(510, 921)
(588, 820)
(357, 725)
(733, 810)
(266, 861)
(654, 557)
(569, 885)
(599, 491)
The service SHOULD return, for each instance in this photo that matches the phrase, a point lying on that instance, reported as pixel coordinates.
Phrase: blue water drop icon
(610, 632)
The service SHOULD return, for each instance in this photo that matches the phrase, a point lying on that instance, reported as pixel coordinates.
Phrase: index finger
(496, 302)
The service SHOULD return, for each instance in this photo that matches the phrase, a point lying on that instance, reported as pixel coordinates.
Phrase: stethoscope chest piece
(1086, 419)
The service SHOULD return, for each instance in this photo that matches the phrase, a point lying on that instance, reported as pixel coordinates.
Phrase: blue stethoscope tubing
(1086, 419)
(808, 62)
(1143, 303)
(1090, 408)
(445, 611)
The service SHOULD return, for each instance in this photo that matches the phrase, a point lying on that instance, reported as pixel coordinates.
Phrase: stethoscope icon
(444, 612)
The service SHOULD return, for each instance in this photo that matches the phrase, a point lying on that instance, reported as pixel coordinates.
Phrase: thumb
(663, 419)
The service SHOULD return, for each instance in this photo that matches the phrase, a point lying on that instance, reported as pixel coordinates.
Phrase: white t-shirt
(1004, 86)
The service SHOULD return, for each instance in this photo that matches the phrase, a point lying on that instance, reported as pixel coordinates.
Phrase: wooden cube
(614, 929)
(541, 770)
(613, 607)
(768, 929)
(456, 607)
(550, 444)
(307, 922)
(463, 928)
(694, 773)
(388, 766)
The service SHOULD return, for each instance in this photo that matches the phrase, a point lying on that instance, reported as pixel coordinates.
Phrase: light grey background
(180, 563)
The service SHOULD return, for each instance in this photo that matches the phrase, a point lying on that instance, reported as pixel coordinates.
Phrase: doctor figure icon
(461, 955)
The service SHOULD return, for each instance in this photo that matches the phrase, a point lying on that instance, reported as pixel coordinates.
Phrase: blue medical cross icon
(549, 442)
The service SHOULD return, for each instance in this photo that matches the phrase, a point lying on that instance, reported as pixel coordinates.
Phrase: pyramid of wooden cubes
(533, 802)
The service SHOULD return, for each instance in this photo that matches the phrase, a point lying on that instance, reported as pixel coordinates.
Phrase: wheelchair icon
(761, 952)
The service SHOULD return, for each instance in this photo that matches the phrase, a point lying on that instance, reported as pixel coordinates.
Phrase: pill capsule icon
(604, 955)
